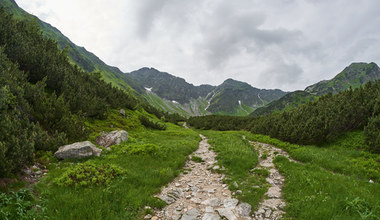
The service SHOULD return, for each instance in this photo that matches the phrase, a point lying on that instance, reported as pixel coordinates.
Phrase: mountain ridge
(352, 76)
(232, 97)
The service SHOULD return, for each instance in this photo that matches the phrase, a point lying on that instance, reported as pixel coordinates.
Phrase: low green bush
(151, 124)
(87, 174)
(19, 205)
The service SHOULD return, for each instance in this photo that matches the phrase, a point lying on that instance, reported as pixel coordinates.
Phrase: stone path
(200, 193)
(273, 205)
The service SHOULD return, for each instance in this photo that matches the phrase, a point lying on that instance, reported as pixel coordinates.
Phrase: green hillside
(78, 55)
(353, 76)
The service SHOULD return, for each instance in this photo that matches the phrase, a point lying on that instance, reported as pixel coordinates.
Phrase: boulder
(78, 150)
(112, 138)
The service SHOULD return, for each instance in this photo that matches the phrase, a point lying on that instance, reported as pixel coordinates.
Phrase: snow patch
(148, 89)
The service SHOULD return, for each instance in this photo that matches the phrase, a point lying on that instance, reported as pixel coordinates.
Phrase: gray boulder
(112, 138)
(78, 150)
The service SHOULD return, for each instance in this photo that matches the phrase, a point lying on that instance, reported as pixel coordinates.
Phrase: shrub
(19, 205)
(87, 174)
(145, 149)
(372, 134)
(151, 124)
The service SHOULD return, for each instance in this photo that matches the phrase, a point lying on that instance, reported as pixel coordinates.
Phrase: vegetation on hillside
(353, 76)
(44, 99)
(312, 123)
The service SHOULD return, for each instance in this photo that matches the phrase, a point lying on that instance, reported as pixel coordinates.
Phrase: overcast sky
(286, 44)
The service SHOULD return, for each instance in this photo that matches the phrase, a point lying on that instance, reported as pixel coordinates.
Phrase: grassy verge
(314, 189)
(348, 155)
(314, 193)
(149, 160)
(238, 157)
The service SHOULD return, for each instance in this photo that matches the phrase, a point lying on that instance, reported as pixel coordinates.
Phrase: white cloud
(269, 44)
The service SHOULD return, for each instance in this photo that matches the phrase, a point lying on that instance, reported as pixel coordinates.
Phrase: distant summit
(175, 95)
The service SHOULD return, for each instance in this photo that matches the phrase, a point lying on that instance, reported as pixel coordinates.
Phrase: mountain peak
(354, 75)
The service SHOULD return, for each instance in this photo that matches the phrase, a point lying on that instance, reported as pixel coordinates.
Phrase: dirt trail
(273, 205)
(200, 193)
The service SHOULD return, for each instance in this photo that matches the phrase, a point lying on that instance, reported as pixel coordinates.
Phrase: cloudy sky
(286, 44)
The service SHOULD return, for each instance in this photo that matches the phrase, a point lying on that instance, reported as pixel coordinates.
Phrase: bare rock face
(112, 138)
(78, 150)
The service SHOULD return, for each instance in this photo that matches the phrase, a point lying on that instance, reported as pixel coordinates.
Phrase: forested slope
(44, 99)
(315, 122)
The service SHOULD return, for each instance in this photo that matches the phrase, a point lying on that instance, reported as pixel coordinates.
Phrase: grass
(238, 157)
(144, 173)
(196, 159)
(314, 193)
(332, 182)
(348, 155)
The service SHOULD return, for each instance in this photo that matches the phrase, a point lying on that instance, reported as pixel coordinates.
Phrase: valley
(82, 140)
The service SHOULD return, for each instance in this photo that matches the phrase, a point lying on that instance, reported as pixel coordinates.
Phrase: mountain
(175, 95)
(78, 55)
(354, 76)
(232, 94)
(168, 86)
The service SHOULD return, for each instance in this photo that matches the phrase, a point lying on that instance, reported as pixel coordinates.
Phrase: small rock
(209, 209)
(371, 181)
(230, 203)
(227, 213)
(196, 201)
(34, 167)
(148, 216)
(28, 171)
(38, 172)
(112, 138)
(122, 112)
(177, 184)
(154, 218)
(268, 213)
(236, 185)
(211, 191)
(194, 189)
(216, 167)
(244, 209)
(192, 214)
(213, 202)
(210, 216)
(238, 192)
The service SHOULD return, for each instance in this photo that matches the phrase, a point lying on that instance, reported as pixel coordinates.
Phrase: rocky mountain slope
(174, 94)
(354, 76)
